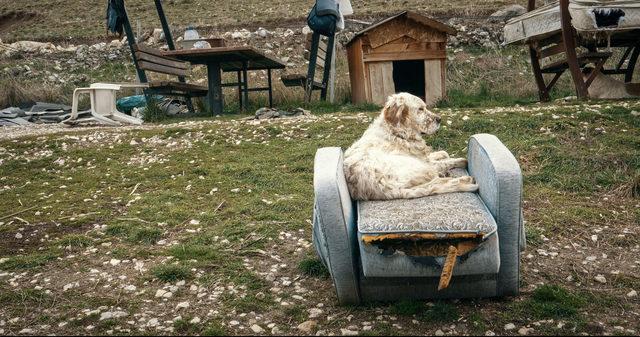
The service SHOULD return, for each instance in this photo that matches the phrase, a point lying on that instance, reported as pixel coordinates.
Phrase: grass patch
(172, 273)
(408, 308)
(313, 267)
(215, 329)
(185, 327)
(30, 261)
(441, 312)
(550, 302)
(75, 241)
(135, 233)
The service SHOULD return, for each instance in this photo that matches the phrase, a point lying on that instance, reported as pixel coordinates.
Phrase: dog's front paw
(467, 180)
(440, 155)
(459, 163)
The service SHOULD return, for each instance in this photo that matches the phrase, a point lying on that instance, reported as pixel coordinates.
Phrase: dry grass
(14, 93)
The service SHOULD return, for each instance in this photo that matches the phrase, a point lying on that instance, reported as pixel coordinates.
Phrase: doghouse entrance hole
(408, 76)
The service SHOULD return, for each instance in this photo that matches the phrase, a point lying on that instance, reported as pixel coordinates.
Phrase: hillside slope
(56, 20)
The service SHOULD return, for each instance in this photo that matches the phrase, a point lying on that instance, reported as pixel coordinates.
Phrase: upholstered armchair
(457, 245)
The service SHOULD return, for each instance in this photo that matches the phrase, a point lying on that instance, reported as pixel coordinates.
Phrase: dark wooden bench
(319, 53)
(153, 60)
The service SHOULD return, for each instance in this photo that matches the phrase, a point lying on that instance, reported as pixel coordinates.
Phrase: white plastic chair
(103, 104)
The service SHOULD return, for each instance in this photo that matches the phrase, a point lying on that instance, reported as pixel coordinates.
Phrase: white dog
(392, 161)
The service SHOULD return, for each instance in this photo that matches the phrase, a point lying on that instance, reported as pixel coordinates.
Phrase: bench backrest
(153, 60)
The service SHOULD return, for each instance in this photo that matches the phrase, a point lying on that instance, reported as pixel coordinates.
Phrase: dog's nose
(438, 119)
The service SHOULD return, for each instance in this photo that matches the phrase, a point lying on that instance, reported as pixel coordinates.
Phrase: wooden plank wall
(357, 73)
(433, 81)
(381, 81)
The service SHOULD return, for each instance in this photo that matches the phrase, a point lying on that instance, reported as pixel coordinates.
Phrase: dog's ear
(395, 111)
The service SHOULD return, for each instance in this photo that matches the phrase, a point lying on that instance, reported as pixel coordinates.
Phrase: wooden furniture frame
(567, 41)
(320, 56)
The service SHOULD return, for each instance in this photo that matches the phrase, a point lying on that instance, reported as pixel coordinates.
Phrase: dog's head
(410, 112)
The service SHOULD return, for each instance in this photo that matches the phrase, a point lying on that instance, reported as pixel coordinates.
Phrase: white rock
(112, 315)
(257, 329)
(114, 262)
(26, 332)
(632, 294)
(195, 320)
(153, 322)
(182, 305)
(18, 236)
(347, 332)
(439, 332)
(490, 333)
(130, 287)
(525, 331)
(315, 312)
(509, 326)
(3, 260)
(600, 279)
(308, 326)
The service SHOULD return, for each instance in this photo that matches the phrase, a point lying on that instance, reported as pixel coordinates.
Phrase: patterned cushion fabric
(439, 214)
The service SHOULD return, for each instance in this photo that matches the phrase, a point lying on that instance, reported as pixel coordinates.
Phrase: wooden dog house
(404, 53)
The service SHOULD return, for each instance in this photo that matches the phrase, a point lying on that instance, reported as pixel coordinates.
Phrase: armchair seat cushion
(410, 237)
(451, 213)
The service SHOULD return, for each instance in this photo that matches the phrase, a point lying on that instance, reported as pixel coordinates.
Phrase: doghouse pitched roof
(413, 16)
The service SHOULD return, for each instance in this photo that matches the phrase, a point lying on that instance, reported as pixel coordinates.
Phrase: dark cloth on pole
(115, 16)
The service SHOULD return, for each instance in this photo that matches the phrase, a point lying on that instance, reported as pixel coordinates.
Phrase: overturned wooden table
(230, 59)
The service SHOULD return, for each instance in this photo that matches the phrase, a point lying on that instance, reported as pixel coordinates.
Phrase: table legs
(245, 84)
(214, 97)
(270, 89)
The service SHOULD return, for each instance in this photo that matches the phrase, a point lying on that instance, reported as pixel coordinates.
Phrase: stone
(347, 332)
(632, 294)
(315, 312)
(600, 279)
(490, 333)
(439, 333)
(509, 326)
(195, 320)
(507, 13)
(307, 327)
(112, 315)
(525, 331)
(182, 305)
(257, 329)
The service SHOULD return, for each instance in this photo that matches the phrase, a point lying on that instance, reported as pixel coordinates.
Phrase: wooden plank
(381, 81)
(433, 81)
(550, 51)
(404, 56)
(322, 45)
(161, 60)
(319, 61)
(356, 72)
(162, 69)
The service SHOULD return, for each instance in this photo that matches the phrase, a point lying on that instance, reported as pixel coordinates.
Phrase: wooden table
(228, 59)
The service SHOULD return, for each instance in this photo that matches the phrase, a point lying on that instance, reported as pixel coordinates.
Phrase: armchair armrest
(499, 177)
(334, 224)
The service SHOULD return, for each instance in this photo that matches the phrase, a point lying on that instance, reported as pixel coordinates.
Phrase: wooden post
(628, 77)
(332, 77)
(570, 51)
(215, 88)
